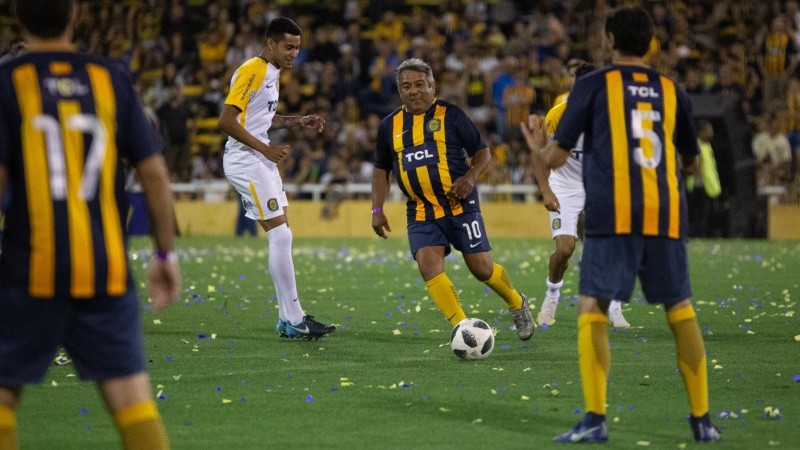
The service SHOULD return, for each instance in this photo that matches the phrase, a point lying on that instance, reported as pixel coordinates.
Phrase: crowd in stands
(500, 59)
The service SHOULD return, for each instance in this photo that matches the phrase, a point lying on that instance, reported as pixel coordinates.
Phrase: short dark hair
(632, 28)
(582, 68)
(44, 18)
(281, 26)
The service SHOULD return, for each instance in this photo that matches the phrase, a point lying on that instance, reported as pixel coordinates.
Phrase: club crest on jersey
(556, 224)
(272, 204)
(434, 125)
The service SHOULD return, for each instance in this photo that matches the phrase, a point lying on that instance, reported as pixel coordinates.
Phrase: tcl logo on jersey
(643, 91)
(419, 155)
(272, 106)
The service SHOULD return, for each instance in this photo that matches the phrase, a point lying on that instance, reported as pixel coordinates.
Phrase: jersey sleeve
(245, 80)
(552, 119)
(469, 136)
(383, 151)
(576, 114)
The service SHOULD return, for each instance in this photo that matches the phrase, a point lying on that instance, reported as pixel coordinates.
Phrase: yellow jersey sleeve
(246, 80)
(553, 117)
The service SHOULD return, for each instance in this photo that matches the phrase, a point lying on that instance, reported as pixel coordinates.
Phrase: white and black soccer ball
(472, 339)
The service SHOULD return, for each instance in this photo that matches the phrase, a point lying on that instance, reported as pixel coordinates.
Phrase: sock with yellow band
(140, 427)
(691, 354)
(500, 282)
(594, 359)
(8, 428)
(445, 296)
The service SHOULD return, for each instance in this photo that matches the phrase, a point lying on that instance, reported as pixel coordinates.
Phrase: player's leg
(104, 340)
(564, 226)
(599, 282)
(130, 402)
(265, 201)
(9, 400)
(666, 281)
(468, 234)
(429, 246)
(615, 315)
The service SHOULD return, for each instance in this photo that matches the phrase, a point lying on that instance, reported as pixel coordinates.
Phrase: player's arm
(164, 278)
(229, 123)
(464, 185)
(380, 180)
(380, 190)
(313, 121)
(534, 139)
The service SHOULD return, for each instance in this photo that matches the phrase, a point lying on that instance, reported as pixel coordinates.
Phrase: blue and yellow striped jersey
(427, 153)
(636, 123)
(66, 123)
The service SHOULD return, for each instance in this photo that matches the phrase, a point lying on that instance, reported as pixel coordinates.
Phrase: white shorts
(262, 192)
(566, 222)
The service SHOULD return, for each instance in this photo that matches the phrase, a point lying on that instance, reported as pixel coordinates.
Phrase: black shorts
(466, 232)
(610, 265)
(102, 335)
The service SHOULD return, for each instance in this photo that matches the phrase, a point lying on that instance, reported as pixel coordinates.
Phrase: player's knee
(564, 250)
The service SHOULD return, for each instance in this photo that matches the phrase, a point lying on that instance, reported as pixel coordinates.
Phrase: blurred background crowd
(499, 59)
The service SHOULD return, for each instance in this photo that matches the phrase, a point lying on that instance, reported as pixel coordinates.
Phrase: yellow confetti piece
(213, 335)
(212, 288)
(750, 332)
(524, 397)
(394, 386)
(157, 321)
(396, 332)
(494, 392)
(616, 419)
(718, 367)
(527, 369)
(159, 386)
(789, 314)
(554, 392)
(347, 383)
(643, 443)
(176, 377)
(682, 445)
(477, 421)
(443, 409)
(54, 383)
(225, 401)
(417, 308)
(797, 338)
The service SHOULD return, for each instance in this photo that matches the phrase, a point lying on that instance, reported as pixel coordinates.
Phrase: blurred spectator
(704, 188)
(772, 152)
(176, 121)
(518, 99)
(778, 59)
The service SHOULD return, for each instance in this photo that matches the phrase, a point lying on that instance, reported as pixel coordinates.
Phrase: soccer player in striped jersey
(67, 121)
(251, 163)
(639, 141)
(437, 155)
(563, 195)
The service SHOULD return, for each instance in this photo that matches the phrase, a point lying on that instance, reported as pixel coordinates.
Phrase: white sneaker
(547, 316)
(615, 314)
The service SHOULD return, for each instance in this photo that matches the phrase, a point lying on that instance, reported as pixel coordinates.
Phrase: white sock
(554, 289)
(615, 305)
(281, 268)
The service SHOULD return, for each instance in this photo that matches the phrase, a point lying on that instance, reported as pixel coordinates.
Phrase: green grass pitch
(387, 378)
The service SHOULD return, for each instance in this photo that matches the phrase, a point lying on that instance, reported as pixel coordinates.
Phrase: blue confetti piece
(796, 378)
(218, 389)
(545, 326)
(168, 358)
(578, 411)
(163, 397)
(83, 411)
(201, 336)
(309, 398)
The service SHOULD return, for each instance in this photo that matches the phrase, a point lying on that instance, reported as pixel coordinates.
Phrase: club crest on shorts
(434, 125)
(556, 223)
(272, 204)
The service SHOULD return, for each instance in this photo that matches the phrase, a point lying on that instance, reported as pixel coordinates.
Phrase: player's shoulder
(254, 64)
(555, 113)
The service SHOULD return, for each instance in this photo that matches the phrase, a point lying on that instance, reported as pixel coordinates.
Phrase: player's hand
(462, 187)
(163, 283)
(551, 201)
(380, 224)
(313, 121)
(276, 153)
(534, 132)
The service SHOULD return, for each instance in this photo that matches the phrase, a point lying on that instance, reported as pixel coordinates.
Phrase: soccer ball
(472, 339)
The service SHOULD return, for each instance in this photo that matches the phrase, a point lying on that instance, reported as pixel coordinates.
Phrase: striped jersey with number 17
(67, 121)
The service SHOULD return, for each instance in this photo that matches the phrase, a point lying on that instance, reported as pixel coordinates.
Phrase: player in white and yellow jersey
(250, 164)
(563, 195)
